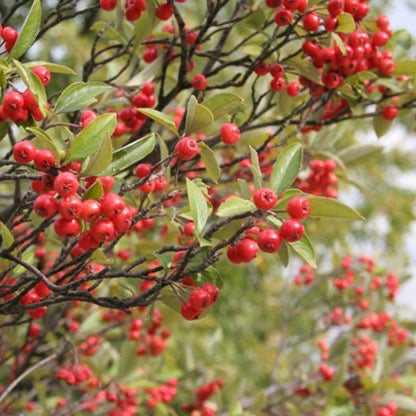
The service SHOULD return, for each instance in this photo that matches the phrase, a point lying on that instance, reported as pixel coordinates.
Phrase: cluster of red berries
(199, 300)
(9, 36)
(18, 106)
(269, 240)
(305, 276)
(390, 410)
(204, 393)
(321, 180)
(327, 372)
(164, 393)
(144, 170)
(365, 351)
(91, 345)
(75, 374)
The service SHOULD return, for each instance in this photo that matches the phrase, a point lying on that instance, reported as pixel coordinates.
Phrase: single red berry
(298, 207)
(112, 205)
(143, 170)
(43, 74)
(103, 230)
(70, 207)
(390, 112)
(269, 241)
(9, 35)
(188, 312)
(230, 133)
(283, 17)
(212, 290)
(122, 221)
(187, 148)
(291, 4)
(107, 182)
(91, 210)
(44, 160)
(38, 312)
(12, 102)
(278, 84)
(24, 152)
(108, 5)
(380, 38)
(293, 89)
(164, 11)
(277, 70)
(34, 330)
(45, 206)
(42, 290)
(199, 299)
(262, 69)
(335, 7)
(148, 88)
(160, 183)
(311, 22)
(87, 242)
(140, 100)
(382, 22)
(66, 184)
(292, 230)
(67, 228)
(273, 4)
(326, 371)
(265, 199)
(189, 228)
(246, 250)
(232, 254)
(199, 82)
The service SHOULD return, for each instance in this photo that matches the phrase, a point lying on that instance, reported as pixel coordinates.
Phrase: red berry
(293, 89)
(326, 371)
(199, 82)
(12, 102)
(38, 312)
(292, 230)
(24, 152)
(164, 11)
(140, 100)
(187, 148)
(70, 207)
(87, 242)
(246, 250)
(108, 5)
(200, 299)
(9, 35)
(273, 4)
(112, 205)
(143, 170)
(188, 312)
(103, 230)
(91, 210)
(43, 74)
(335, 7)
(122, 221)
(277, 70)
(269, 241)
(283, 17)
(148, 88)
(67, 228)
(44, 160)
(298, 207)
(265, 199)
(212, 290)
(311, 21)
(278, 84)
(390, 112)
(45, 206)
(66, 184)
(230, 133)
(189, 228)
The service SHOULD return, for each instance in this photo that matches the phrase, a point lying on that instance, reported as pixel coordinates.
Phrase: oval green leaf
(160, 118)
(222, 104)
(210, 161)
(329, 207)
(235, 206)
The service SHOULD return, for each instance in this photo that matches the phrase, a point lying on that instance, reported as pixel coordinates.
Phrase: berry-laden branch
(197, 132)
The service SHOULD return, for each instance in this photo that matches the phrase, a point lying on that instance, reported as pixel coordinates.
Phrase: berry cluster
(164, 393)
(75, 374)
(269, 240)
(199, 300)
(321, 180)
(18, 106)
(305, 276)
(204, 393)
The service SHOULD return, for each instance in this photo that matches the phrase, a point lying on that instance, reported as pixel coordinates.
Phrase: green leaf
(88, 141)
(101, 159)
(160, 118)
(252, 49)
(329, 207)
(406, 67)
(198, 206)
(54, 68)
(147, 74)
(95, 191)
(222, 104)
(359, 153)
(131, 154)
(304, 249)
(198, 117)
(33, 83)
(286, 168)
(79, 95)
(284, 254)
(381, 125)
(403, 402)
(210, 162)
(234, 206)
(346, 23)
(29, 30)
(339, 42)
(306, 69)
(255, 168)
(7, 238)
(44, 141)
